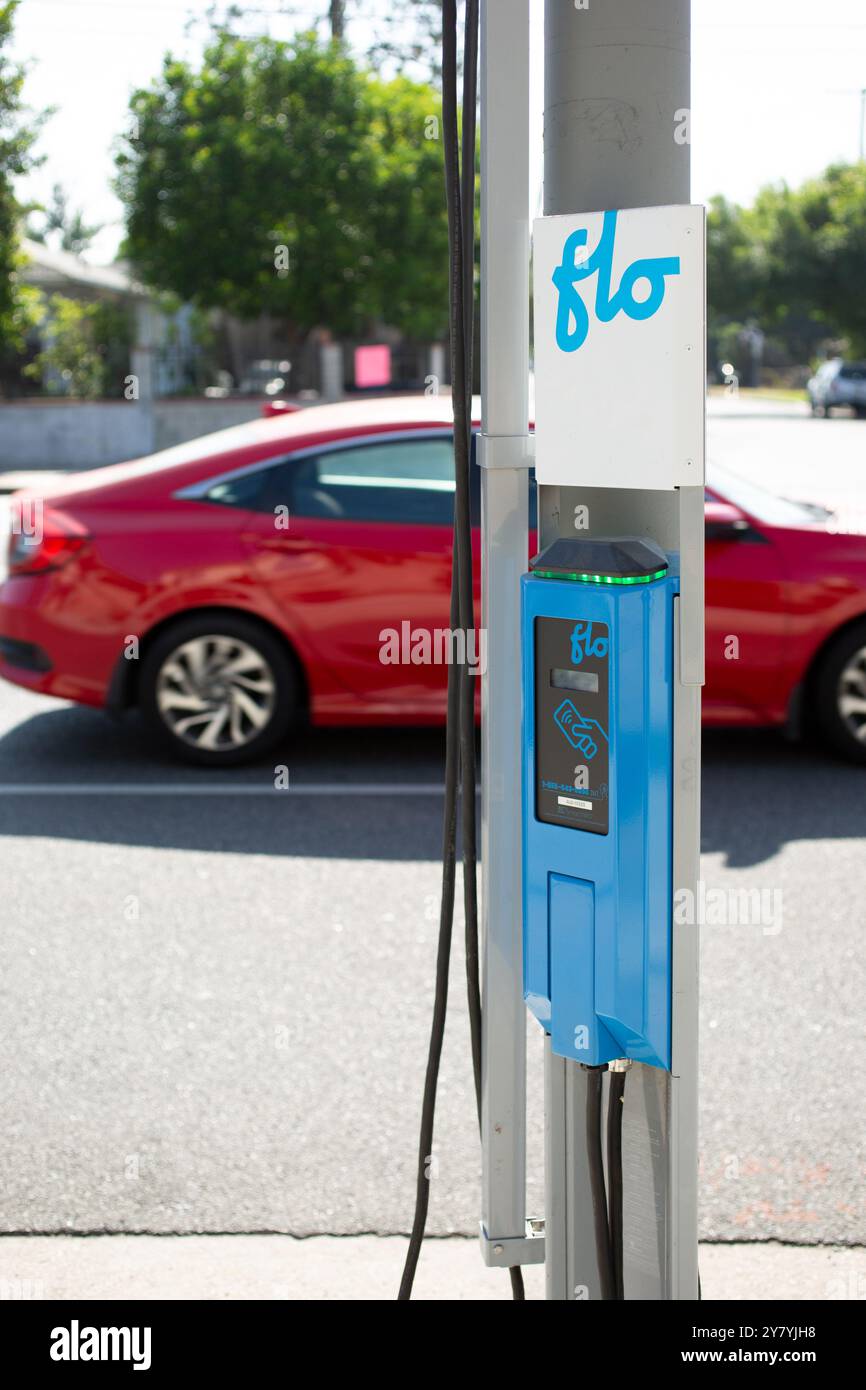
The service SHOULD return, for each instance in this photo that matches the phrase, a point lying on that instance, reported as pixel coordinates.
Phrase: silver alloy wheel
(852, 694)
(216, 692)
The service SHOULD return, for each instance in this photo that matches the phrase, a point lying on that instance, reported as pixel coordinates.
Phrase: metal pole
(616, 95)
(504, 457)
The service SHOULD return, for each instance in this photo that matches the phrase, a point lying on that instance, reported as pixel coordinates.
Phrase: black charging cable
(462, 229)
(615, 1102)
(606, 1194)
(443, 960)
(460, 755)
(595, 1157)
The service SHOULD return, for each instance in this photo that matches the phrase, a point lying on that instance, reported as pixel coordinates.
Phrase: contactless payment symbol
(577, 729)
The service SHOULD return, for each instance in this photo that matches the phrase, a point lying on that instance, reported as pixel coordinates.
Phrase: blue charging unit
(598, 676)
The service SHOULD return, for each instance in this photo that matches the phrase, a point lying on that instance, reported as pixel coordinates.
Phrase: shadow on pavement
(761, 792)
(72, 774)
(98, 781)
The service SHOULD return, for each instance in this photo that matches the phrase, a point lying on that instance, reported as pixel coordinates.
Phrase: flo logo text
(584, 644)
(572, 318)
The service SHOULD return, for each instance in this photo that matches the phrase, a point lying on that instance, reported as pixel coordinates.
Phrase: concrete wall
(87, 434)
(176, 421)
(72, 434)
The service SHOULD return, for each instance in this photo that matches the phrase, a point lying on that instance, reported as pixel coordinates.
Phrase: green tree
(16, 158)
(86, 352)
(732, 261)
(408, 221)
(795, 260)
(405, 34)
(62, 225)
(281, 177)
(822, 259)
(410, 35)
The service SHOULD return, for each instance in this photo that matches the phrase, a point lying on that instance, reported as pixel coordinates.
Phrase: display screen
(572, 723)
(574, 680)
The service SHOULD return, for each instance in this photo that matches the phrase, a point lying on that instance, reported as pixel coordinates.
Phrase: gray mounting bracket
(506, 451)
(515, 1250)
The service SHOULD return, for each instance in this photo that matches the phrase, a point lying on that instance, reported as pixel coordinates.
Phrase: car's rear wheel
(218, 690)
(840, 694)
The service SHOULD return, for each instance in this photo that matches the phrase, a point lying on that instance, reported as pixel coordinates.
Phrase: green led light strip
(600, 578)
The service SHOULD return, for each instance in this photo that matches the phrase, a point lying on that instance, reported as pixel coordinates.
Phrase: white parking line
(219, 789)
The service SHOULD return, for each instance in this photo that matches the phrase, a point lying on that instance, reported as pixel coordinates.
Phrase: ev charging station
(591, 700)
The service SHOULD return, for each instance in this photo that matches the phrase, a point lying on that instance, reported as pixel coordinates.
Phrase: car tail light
(41, 538)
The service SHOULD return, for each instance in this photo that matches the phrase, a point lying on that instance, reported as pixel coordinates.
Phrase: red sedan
(291, 568)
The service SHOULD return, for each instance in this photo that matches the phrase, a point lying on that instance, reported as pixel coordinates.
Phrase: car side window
(246, 490)
(409, 481)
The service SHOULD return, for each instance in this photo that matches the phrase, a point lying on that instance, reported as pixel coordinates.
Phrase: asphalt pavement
(215, 1002)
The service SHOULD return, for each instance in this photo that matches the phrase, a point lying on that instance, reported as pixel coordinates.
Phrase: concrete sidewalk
(346, 1268)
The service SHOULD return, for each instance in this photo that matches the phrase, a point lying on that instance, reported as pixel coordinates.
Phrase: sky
(775, 87)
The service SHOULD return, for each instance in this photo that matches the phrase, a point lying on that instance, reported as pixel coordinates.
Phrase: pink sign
(373, 366)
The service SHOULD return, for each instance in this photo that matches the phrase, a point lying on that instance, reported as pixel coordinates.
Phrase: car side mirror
(724, 522)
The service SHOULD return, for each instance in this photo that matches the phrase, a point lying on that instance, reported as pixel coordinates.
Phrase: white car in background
(838, 383)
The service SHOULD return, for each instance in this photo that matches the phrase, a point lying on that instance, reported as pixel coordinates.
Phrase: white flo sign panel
(620, 378)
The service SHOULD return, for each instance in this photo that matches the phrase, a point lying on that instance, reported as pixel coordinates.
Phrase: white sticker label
(573, 801)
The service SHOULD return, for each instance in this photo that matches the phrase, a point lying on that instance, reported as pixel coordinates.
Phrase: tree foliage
(62, 226)
(86, 348)
(410, 35)
(795, 255)
(405, 35)
(16, 158)
(284, 178)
